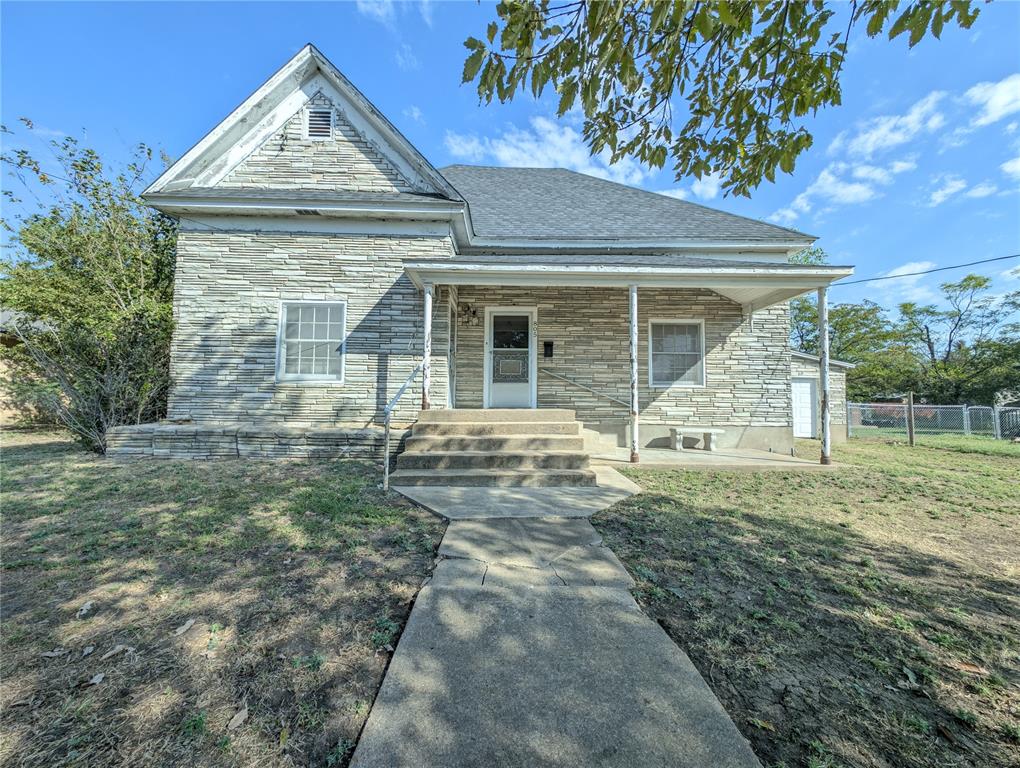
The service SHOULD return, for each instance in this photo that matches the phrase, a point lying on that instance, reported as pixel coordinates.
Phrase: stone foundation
(248, 440)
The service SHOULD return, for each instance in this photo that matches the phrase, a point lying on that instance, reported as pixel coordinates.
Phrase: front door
(804, 399)
(510, 358)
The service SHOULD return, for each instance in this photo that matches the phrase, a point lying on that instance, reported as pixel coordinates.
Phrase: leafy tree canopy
(720, 87)
(88, 278)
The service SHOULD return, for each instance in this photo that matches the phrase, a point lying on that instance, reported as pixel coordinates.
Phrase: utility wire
(924, 272)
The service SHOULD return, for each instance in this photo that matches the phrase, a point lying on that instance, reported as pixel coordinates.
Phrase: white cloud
(984, 189)
(547, 144)
(406, 59)
(679, 194)
(464, 147)
(909, 288)
(425, 6)
(888, 131)
(380, 10)
(707, 187)
(1012, 168)
(843, 184)
(994, 100)
(414, 113)
(947, 186)
(1011, 127)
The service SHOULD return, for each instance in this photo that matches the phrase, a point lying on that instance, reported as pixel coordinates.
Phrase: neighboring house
(317, 244)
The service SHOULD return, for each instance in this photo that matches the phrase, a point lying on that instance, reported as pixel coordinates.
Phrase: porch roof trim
(754, 287)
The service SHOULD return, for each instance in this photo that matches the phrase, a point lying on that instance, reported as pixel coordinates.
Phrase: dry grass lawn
(862, 617)
(168, 613)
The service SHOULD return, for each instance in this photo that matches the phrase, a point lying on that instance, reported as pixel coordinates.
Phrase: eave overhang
(753, 288)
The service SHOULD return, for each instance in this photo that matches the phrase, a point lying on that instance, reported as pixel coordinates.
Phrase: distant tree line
(965, 349)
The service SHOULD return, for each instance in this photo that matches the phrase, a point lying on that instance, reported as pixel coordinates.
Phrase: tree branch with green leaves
(723, 87)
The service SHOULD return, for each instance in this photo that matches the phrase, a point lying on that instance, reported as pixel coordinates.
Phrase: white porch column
(635, 405)
(823, 364)
(426, 352)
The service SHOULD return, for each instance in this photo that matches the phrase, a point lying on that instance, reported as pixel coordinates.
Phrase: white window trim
(700, 322)
(332, 123)
(315, 379)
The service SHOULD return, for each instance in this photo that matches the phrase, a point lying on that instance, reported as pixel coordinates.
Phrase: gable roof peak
(275, 102)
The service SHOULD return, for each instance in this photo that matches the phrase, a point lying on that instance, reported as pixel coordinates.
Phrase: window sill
(309, 382)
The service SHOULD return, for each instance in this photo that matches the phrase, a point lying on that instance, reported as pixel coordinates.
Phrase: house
(325, 265)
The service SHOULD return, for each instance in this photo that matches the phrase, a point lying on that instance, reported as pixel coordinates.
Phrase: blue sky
(919, 167)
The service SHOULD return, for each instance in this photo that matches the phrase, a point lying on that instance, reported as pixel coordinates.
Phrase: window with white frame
(311, 341)
(676, 353)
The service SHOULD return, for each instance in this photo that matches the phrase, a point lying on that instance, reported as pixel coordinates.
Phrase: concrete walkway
(526, 650)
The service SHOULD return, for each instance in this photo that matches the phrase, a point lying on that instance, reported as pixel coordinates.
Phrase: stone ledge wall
(747, 368)
(228, 289)
(252, 441)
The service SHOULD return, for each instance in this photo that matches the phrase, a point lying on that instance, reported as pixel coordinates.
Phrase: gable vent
(320, 123)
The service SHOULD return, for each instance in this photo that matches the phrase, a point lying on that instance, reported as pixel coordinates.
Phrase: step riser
(523, 443)
(539, 479)
(495, 415)
(486, 429)
(422, 461)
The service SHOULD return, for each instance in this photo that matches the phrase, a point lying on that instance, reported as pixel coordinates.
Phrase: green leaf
(472, 65)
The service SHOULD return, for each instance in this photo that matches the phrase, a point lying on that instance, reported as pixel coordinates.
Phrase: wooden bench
(676, 436)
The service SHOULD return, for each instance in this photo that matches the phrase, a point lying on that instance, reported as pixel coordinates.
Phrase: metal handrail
(547, 372)
(387, 414)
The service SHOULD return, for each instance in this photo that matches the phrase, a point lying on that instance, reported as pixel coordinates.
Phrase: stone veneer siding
(228, 290)
(747, 372)
(288, 160)
(805, 369)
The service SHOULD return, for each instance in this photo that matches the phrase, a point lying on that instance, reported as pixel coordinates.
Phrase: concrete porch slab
(545, 677)
(693, 458)
(462, 503)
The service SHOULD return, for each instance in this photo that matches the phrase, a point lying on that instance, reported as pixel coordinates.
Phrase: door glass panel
(510, 332)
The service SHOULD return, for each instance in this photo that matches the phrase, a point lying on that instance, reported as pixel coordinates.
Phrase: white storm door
(804, 398)
(510, 358)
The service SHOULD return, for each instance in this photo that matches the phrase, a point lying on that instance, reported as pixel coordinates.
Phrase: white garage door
(805, 398)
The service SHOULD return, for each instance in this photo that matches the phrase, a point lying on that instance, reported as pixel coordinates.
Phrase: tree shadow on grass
(297, 576)
(826, 645)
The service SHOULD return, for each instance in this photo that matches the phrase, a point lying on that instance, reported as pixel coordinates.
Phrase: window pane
(510, 331)
(677, 356)
(312, 336)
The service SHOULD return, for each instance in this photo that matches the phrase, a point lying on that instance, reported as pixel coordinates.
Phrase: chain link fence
(890, 419)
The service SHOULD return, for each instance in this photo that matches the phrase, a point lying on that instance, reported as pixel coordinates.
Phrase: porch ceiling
(752, 285)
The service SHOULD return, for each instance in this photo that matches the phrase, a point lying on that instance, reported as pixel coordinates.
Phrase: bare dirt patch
(197, 613)
(863, 617)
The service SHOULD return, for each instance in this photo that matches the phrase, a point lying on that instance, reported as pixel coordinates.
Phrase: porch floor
(692, 458)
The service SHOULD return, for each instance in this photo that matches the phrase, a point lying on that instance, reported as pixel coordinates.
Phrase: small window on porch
(676, 354)
(311, 341)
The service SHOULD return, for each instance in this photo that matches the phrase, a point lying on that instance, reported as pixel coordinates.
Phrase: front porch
(686, 346)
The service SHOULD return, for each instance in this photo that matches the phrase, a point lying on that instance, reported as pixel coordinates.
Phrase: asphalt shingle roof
(557, 204)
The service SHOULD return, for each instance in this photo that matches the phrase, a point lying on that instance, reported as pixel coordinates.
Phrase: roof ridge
(632, 189)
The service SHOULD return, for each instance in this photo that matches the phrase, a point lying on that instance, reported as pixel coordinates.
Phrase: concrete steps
(500, 447)
(494, 460)
(494, 443)
(484, 428)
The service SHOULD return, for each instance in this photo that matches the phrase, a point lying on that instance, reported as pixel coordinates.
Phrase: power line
(924, 272)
